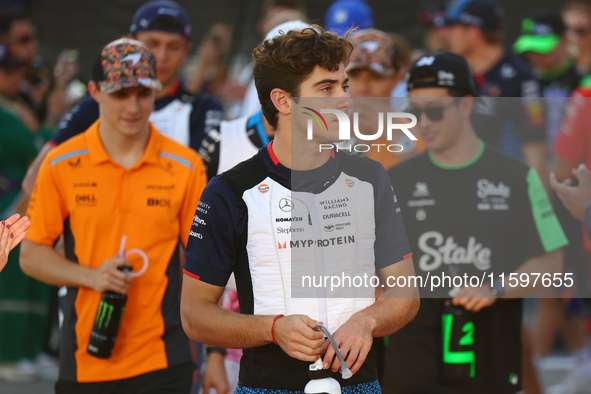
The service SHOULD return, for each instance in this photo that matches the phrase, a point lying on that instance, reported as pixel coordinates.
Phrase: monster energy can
(106, 324)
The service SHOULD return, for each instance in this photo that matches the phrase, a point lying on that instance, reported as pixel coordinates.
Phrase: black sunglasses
(434, 114)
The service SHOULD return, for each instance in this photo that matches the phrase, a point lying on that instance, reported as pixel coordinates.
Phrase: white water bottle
(321, 382)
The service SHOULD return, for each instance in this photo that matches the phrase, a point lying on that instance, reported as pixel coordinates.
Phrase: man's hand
(108, 277)
(354, 339)
(214, 376)
(296, 336)
(12, 232)
(474, 299)
(575, 199)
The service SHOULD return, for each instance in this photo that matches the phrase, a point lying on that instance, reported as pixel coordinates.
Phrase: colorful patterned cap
(374, 50)
(125, 63)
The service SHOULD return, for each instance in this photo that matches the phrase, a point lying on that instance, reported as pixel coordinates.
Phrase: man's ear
(467, 106)
(94, 91)
(281, 100)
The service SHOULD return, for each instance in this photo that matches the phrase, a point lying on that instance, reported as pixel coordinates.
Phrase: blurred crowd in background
(37, 99)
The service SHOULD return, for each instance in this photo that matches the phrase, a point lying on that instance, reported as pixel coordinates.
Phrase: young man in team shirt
(474, 29)
(469, 210)
(165, 27)
(240, 228)
(121, 185)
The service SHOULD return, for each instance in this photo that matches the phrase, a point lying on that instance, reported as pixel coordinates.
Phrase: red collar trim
(272, 154)
(174, 88)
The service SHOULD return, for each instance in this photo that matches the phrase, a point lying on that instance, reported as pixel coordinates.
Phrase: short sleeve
(573, 140)
(78, 120)
(216, 234)
(544, 233)
(47, 208)
(391, 245)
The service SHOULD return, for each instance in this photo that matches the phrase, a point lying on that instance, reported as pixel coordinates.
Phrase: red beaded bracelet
(273, 328)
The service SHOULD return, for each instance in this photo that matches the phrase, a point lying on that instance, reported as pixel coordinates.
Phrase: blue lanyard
(256, 121)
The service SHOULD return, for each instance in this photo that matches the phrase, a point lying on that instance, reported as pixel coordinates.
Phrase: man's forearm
(209, 323)
(388, 315)
(45, 264)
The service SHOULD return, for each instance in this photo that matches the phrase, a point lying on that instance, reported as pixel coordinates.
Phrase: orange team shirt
(94, 201)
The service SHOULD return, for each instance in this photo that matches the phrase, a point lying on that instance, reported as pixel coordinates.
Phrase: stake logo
(345, 128)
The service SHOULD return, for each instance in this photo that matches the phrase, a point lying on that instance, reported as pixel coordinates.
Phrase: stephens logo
(263, 188)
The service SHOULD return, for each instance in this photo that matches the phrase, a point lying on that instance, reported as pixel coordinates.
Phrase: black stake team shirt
(489, 215)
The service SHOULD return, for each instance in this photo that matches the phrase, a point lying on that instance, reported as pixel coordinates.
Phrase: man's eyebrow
(331, 81)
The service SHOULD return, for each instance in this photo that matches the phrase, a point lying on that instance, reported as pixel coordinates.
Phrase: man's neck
(123, 150)
(555, 72)
(584, 61)
(267, 127)
(467, 148)
(484, 57)
(302, 156)
(166, 88)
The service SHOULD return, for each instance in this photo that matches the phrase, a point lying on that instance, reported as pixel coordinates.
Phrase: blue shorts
(362, 388)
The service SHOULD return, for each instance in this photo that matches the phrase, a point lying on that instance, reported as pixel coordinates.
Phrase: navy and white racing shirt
(258, 218)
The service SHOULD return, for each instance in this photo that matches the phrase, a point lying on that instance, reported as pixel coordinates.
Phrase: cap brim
(115, 86)
(537, 44)
(386, 73)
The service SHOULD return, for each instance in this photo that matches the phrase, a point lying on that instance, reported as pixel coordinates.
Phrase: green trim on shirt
(458, 166)
(549, 229)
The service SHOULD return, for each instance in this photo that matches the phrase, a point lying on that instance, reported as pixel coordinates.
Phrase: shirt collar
(99, 155)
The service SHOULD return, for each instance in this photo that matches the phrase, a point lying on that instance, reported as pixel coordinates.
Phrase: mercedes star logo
(285, 205)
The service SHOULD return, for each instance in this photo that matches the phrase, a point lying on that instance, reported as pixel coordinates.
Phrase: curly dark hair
(285, 61)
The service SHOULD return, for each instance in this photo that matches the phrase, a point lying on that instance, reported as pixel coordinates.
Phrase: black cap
(147, 16)
(441, 69)
(484, 14)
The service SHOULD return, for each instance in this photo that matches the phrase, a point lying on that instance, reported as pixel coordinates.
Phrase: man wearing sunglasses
(512, 116)
(469, 210)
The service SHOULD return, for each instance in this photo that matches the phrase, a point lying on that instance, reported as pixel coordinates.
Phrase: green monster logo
(105, 309)
(450, 357)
